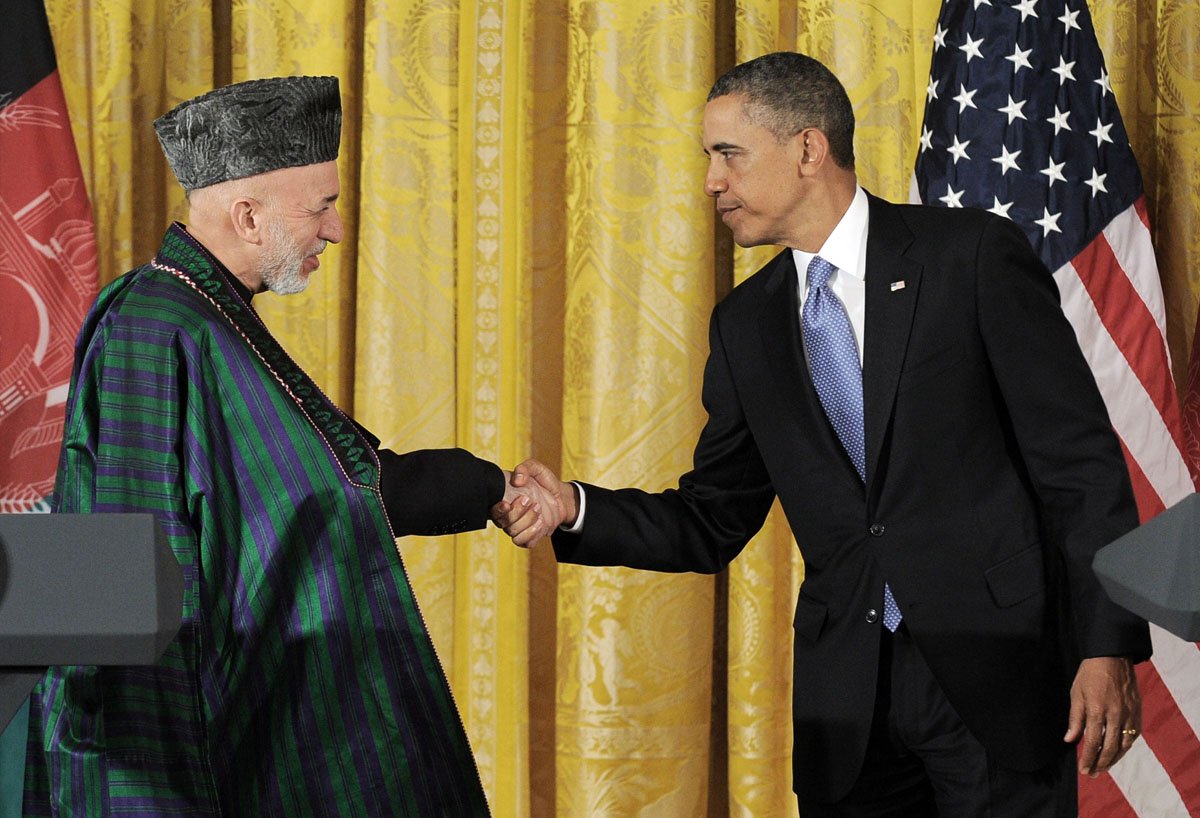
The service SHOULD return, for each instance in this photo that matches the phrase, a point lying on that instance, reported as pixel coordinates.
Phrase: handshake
(535, 503)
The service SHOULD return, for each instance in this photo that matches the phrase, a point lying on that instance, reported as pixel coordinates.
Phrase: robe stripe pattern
(1021, 120)
(303, 681)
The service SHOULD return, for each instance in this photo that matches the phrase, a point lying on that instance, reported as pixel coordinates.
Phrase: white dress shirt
(845, 249)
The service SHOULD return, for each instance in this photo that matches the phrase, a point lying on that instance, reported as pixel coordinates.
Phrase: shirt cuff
(578, 526)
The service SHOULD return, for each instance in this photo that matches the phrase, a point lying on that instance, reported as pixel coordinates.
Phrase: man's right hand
(527, 512)
(541, 474)
(535, 476)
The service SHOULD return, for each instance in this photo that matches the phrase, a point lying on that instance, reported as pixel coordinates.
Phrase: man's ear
(813, 148)
(246, 217)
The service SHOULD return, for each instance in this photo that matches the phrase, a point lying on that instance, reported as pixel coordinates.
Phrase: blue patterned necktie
(837, 377)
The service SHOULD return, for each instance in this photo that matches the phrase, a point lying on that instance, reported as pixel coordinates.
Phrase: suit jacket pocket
(1018, 577)
(810, 618)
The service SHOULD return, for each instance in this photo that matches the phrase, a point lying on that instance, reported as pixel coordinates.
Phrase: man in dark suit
(948, 496)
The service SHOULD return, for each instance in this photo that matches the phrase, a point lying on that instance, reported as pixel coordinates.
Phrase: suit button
(872, 616)
(877, 530)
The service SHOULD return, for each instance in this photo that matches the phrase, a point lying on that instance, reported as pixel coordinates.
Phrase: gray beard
(282, 262)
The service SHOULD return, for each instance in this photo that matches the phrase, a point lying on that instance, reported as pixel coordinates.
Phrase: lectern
(1154, 570)
(82, 589)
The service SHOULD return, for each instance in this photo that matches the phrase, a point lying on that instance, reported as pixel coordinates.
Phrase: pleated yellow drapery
(528, 268)
(634, 653)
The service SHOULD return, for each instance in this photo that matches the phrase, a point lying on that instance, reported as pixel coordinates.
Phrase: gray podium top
(1154, 570)
(82, 589)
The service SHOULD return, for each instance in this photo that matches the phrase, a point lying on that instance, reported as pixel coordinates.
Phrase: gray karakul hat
(252, 127)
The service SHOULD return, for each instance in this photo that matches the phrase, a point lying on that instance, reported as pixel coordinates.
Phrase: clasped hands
(535, 503)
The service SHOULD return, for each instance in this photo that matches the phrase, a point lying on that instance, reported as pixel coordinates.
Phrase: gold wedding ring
(1129, 731)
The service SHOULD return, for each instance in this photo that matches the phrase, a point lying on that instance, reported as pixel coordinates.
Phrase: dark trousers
(922, 762)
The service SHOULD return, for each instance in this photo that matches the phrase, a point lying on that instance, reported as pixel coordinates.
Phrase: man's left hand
(1106, 712)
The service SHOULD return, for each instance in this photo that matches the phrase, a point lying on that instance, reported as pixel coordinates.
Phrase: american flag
(1020, 119)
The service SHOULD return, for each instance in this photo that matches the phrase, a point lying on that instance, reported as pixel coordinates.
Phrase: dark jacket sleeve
(436, 491)
(1065, 436)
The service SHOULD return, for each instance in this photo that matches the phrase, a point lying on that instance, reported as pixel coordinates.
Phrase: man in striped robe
(302, 681)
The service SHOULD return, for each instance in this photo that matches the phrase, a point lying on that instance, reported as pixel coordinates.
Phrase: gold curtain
(529, 266)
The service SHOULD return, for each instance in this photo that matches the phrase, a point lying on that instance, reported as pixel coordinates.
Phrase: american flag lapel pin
(897, 285)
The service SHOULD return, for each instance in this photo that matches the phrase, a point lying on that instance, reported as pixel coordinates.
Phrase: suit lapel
(779, 328)
(892, 284)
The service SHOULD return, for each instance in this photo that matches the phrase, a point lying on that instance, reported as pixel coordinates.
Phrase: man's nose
(332, 230)
(714, 182)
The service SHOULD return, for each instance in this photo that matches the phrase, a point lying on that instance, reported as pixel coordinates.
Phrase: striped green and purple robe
(302, 681)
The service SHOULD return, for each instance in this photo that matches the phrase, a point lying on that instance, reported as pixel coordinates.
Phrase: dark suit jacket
(993, 476)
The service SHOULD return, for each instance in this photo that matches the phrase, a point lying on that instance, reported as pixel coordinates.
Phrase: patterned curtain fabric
(529, 267)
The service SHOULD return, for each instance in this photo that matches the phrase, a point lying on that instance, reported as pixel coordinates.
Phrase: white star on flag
(959, 149)
(971, 48)
(964, 99)
(1000, 209)
(1013, 109)
(1064, 70)
(1059, 120)
(1054, 171)
(1006, 160)
(1101, 133)
(952, 197)
(1048, 222)
(1020, 59)
(1096, 183)
(1026, 9)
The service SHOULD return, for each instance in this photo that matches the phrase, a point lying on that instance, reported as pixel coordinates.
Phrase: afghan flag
(47, 282)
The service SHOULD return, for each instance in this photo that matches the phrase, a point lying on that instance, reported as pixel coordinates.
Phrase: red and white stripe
(1112, 295)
